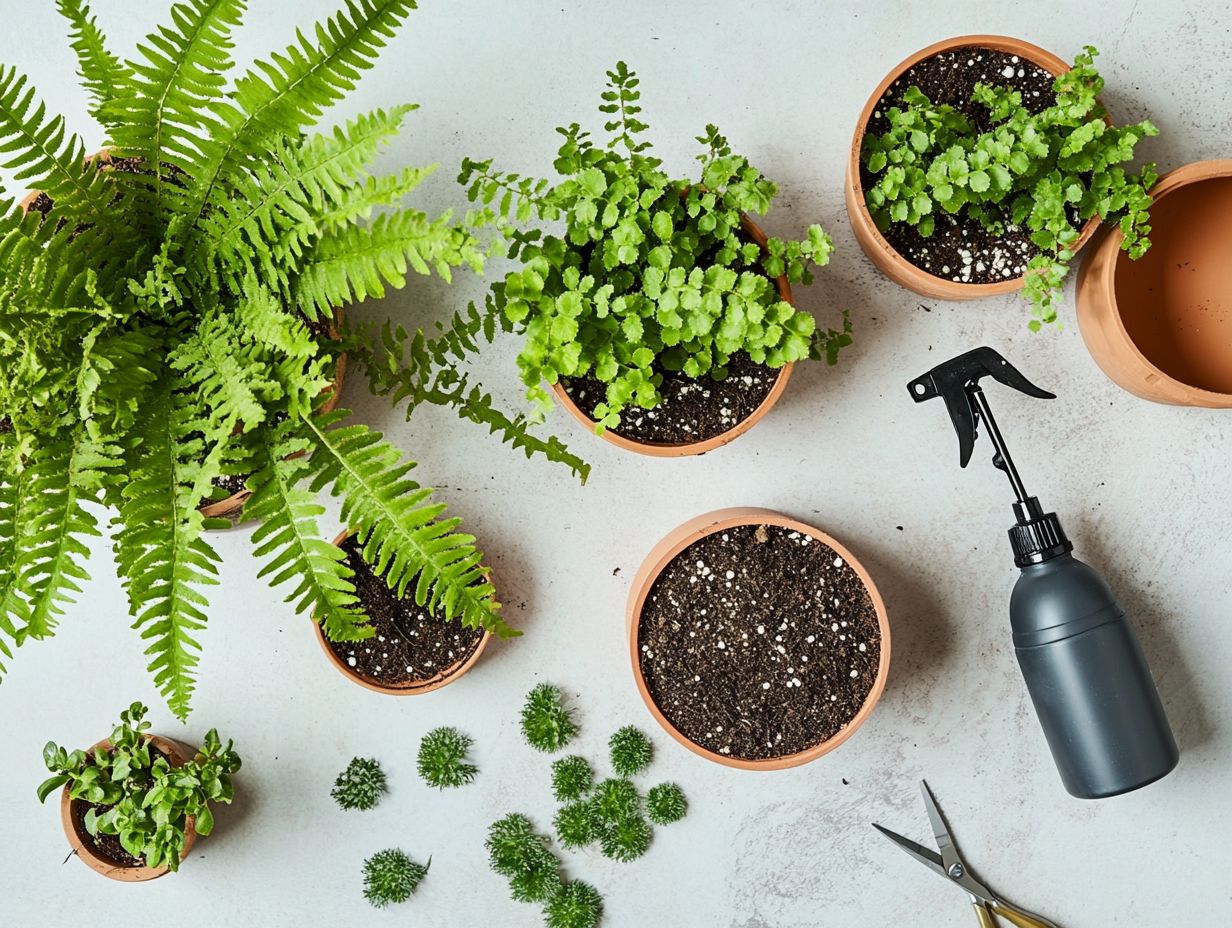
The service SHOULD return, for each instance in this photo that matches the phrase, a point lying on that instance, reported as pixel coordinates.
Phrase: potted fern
(167, 317)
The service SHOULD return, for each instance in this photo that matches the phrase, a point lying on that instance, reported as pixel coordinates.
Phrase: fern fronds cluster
(546, 724)
(391, 876)
(361, 785)
(442, 758)
(169, 317)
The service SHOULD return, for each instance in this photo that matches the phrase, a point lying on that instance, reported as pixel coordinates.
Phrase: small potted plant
(178, 299)
(982, 164)
(743, 667)
(133, 804)
(661, 315)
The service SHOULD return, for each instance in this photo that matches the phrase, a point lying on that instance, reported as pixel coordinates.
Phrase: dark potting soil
(230, 484)
(411, 645)
(960, 249)
(6, 425)
(692, 410)
(759, 642)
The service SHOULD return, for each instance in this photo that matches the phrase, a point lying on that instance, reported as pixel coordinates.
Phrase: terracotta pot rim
(178, 754)
(670, 547)
(688, 449)
(879, 250)
(1104, 277)
(443, 678)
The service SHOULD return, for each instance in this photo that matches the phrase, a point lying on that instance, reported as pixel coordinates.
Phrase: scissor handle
(1018, 917)
(983, 913)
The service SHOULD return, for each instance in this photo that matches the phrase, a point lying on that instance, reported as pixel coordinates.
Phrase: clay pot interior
(1176, 300)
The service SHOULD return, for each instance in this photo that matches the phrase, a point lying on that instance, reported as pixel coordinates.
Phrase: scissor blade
(949, 853)
(922, 854)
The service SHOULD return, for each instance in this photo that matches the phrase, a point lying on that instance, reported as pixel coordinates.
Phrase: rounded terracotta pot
(1161, 326)
(83, 846)
(662, 450)
(882, 254)
(721, 520)
(443, 678)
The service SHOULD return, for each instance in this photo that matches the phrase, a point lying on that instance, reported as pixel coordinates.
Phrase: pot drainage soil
(411, 645)
(106, 846)
(960, 249)
(758, 642)
(692, 410)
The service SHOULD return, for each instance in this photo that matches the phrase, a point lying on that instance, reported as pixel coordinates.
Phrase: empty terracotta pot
(887, 259)
(82, 843)
(754, 232)
(444, 677)
(1161, 326)
(668, 549)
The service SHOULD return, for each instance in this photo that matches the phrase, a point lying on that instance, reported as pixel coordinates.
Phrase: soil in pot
(759, 642)
(960, 248)
(410, 644)
(692, 410)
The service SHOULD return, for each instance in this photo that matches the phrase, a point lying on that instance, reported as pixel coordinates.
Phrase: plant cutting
(546, 724)
(442, 758)
(660, 315)
(132, 805)
(361, 785)
(982, 164)
(390, 876)
(747, 668)
(523, 856)
(666, 804)
(165, 325)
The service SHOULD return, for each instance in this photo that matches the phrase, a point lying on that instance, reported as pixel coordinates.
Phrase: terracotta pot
(443, 678)
(889, 261)
(1161, 326)
(662, 450)
(721, 520)
(83, 846)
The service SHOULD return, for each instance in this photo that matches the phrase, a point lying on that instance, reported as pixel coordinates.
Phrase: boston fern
(168, 314)
(1039, 170)
(651, 273)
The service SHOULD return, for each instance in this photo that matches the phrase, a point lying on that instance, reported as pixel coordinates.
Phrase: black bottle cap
(1038, 536)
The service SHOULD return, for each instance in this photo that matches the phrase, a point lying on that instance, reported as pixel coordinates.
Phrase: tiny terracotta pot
(1161, 326)
(83, 845)
(694, 530)
(881, 252)
(662, 450)
(415, 688)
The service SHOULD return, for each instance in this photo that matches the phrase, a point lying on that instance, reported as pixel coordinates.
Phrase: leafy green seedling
(631, 751)
(574, 905)
(571, 778)
(522, 856)
(136, 795)
(626, 839)
(361, 785)
(546, 724)
(391, 876)
(666, 804)
(442, 758)
(577, 824)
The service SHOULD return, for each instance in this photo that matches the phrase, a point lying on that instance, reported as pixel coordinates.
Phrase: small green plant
(546, 724)
(1032, 170)
(361, 785)
(626, 839)
(616, 799)
(631, 751)
(522, 856)
(136, 795)
(571, 778)
(577, 824)
(651, 273)
(574, 905)
(391, 876)
(666, 804)
(442, 758)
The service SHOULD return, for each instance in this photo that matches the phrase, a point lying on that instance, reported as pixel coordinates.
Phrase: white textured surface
(1144, 490)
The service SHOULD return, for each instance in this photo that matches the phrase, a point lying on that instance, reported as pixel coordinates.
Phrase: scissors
(949, 864)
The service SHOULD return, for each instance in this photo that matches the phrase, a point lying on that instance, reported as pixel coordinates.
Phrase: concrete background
(1144, 491)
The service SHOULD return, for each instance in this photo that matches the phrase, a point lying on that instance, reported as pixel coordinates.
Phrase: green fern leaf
(399, 527)
(161, 555)
(17, 510)
(102, 73)
(290, 542)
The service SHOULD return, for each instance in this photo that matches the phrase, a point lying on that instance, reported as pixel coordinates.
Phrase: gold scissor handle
(1018, 917)
(983, 913)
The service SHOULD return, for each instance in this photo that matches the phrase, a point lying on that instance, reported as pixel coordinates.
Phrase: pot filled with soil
(696, 415)
(1161, 326)
(412, 650)
(757, 641)
(103, 853)
(961, 259)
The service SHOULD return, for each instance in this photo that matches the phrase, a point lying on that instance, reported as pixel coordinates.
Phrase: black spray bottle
(1086, 674)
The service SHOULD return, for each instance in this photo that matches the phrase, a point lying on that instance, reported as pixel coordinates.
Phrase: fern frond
(287, 94)
(290, 542)
(101, 72)
(354, 263)
(161, 555)
(17, 512)
(399, 527)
